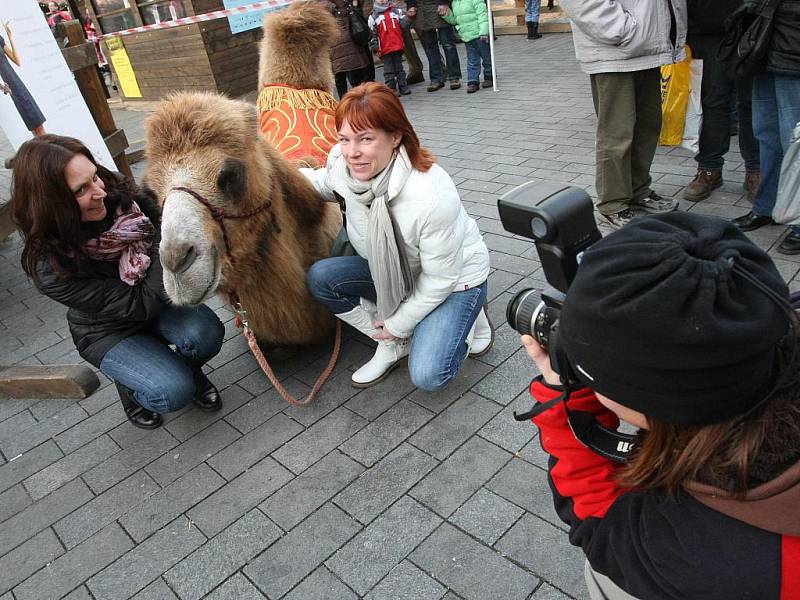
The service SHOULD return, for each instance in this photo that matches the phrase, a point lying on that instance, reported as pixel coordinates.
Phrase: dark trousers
(628, 109)
(716, 94)
(412, 56)
(431, 39)
(393, 73)
(355, 78)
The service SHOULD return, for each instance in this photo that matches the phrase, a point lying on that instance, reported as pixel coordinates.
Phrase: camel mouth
(184, 294)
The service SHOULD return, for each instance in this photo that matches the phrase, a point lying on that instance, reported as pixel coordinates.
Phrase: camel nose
(177, 256)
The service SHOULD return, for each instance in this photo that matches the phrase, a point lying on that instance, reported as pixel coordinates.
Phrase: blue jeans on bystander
(161, 379)
(532, 10)
(431, 39)
(438, 344)
(477, 52)
(776, 111)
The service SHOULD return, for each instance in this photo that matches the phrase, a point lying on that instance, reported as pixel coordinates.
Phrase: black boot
(536, 34)
(206, 395)
(137, 414)
(530, 29)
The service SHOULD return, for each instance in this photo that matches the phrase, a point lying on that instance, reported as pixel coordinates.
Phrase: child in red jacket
(387, 22)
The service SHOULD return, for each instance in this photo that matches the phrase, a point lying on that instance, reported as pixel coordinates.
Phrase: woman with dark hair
(420, 256)
(682, 327)
(91, 243)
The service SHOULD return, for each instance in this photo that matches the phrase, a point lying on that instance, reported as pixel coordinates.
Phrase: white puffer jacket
(445, 249)
(616, 36)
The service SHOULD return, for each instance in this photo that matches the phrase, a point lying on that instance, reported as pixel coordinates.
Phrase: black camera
(560, 220)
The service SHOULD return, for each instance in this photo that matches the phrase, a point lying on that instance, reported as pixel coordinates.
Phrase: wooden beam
(80, 57)
(65, 381)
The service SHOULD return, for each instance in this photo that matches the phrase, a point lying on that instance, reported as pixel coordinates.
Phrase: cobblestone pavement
(388, 493)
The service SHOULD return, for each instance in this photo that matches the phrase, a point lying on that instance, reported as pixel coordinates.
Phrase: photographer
(682, 327)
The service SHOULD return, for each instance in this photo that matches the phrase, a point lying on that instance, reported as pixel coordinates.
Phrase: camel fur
(210, 144)
(295, 80)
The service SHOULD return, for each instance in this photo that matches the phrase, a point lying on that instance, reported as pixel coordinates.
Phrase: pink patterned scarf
(128, 240)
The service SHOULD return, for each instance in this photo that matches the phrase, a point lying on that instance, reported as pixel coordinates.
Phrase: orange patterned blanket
(299, 123)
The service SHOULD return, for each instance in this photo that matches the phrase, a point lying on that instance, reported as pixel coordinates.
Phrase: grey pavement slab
(345, 498)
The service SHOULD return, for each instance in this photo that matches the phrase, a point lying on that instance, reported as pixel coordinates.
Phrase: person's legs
(196, 332)
(748, 145)
(532, 8)
(402, 82)
(340, 282)
(438, 346)
(448, 43)
(614, 98)
(766, 128)
(341, 83)
(645, 131)
(486, 59)
(473, 64)
(430, 42)
(389, 74)
(715, 96)
(161, 380)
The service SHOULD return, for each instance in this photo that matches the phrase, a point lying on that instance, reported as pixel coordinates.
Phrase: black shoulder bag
(747, 36)
(359, 28)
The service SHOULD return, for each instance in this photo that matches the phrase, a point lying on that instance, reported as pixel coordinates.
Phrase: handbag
(748, 32)
(359, 28)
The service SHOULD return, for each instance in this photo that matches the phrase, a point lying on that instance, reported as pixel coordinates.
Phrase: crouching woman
(417, 284)
(91, 244)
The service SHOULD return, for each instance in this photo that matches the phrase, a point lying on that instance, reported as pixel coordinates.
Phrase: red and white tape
(268, 5)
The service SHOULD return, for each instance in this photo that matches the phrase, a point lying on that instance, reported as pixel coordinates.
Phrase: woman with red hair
(417, 283)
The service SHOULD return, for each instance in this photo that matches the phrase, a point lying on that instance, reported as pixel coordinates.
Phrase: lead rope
(243, 324)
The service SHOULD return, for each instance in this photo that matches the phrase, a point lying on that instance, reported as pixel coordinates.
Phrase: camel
(206, 159)
(295, 81)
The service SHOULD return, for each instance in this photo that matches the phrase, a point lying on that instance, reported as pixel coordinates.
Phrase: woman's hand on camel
(383, 333)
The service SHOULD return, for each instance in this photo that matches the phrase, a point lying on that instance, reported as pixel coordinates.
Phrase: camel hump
(303, 27)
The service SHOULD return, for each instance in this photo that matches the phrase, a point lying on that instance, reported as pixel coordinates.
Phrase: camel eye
(232, 179)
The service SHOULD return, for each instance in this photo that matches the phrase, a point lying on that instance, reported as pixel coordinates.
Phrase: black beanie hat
(657, 320)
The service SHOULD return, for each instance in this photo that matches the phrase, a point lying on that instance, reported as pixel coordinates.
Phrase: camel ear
(232, 179)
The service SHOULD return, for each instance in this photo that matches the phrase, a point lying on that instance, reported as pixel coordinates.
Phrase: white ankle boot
(387, 355)
(481, 336)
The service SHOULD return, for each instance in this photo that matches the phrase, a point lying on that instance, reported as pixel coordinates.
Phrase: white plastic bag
(787, 204)
(694, 109)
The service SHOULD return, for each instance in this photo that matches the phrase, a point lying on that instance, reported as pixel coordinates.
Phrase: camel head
(208, 144)
(295, 47)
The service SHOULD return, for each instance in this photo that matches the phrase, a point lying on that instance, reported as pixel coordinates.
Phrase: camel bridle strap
(219, 214)
(242, 323)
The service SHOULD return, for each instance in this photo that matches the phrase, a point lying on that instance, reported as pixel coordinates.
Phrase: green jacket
(470, 18)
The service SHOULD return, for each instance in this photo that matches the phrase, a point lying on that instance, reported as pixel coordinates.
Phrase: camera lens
(521, 309)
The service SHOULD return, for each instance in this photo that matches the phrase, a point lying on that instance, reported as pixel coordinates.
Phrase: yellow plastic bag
(675, 86)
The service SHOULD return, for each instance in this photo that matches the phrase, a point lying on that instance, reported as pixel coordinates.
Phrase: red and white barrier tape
(268, 5)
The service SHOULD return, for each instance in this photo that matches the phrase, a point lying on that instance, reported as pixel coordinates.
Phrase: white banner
(39, 94)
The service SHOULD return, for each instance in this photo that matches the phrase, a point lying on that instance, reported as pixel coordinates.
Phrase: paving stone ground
(388, 493)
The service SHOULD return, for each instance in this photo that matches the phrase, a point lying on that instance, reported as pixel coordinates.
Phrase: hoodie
(702, 543)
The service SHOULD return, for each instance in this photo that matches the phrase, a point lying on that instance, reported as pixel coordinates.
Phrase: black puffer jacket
(783, 54)
(103, 310)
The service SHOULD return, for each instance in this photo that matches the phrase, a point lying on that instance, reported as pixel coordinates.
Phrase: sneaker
(791, 243)
(619, 219)
(487, 83)
(435, 85)
(752, 179)
(655, 204)
(472, 87)
(702, 185)
(455, 84)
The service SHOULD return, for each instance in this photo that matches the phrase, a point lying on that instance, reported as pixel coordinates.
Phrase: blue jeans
(532, 9)
(430, 40)
(478, 51)
(776, 111)
(161, 379)
(438, 344)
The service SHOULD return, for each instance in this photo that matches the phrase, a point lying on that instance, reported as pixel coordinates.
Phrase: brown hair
(372, 105)
(735, 455)
(45, 209)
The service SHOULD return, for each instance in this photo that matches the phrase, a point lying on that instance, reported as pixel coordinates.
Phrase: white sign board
(47, 98)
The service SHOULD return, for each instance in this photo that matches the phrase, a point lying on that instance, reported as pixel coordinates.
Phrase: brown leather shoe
(752, 179)
(702, 185)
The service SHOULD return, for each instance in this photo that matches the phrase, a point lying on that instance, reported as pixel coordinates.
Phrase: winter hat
(658, 320)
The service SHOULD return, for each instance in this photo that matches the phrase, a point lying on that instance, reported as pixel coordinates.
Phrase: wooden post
(79, 52)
